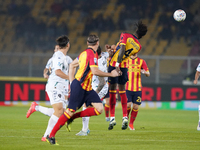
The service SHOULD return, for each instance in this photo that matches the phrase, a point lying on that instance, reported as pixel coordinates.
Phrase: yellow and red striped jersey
(132, 46)
(88, 58)
(134, 73)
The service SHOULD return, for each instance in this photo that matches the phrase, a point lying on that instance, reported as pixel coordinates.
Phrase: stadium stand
(33, 25)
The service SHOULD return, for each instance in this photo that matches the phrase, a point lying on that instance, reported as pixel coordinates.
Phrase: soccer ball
(179, 15)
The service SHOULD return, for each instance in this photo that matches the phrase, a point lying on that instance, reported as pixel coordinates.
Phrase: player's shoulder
(87, 51)
(105, 54)
(198, 67)
(90, 50)
(50, 59)
(126, 34)
(140, 59)
(68, 58)
(58, 54)
(102, 59)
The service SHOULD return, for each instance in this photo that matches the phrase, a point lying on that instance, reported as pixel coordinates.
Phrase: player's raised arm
(45, 73)
(72, 69)
(121, 53)
(197, 74)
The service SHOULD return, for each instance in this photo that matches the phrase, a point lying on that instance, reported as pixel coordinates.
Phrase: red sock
(60, 123)
(106, 110)
(133, 116)
(112, 102)
(128, 111)
(123, 102)
(86, 113)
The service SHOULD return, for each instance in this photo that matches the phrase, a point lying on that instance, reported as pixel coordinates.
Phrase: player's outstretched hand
(118, 70)
(46, 76)
(195, 81)
(142, 71)
(115, 73)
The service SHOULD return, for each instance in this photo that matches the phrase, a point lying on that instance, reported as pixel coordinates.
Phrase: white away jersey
(105, 54)
(58, 61)
(102, 64)
(68, 61)
(49, 62)
(198, 67)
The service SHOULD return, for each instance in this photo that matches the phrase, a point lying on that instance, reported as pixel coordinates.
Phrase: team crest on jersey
(95, 60)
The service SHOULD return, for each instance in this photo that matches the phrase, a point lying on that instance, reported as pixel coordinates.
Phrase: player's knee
(70, 112)
(99, 108)
(58, 112)
(129, 105)
(135, 106)
(58, 109)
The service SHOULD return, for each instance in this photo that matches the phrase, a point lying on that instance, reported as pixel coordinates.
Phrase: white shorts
(55, 92)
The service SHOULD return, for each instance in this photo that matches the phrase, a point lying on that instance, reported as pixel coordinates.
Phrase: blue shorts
(120, 79)
(79, 96)
(134, 97)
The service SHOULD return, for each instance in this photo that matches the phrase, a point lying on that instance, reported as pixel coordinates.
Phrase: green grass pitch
(155, 130)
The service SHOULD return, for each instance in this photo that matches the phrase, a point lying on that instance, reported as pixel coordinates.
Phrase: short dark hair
(62, 41)
(141, 29)
(92, 39)
(99, 50)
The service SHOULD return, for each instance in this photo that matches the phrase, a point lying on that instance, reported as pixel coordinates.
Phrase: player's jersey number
(127, 53)
(138, 99)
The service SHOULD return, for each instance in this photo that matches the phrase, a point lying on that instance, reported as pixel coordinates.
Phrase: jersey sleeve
(58, 63)
(102, 64)
(48, 63)
(69, 60)
(198, 68)
(144, 66)
(123, 38)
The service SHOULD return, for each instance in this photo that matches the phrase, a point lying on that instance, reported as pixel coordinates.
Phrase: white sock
(85, 122)
(112, 118)
(52, 121)
(199, 113)
(45, 110)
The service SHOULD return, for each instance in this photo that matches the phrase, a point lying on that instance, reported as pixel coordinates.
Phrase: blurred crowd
(39, 34)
